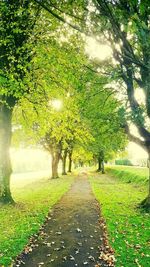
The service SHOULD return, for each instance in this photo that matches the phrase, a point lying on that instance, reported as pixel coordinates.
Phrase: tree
(16, 26)
(20, 34)
(56, 130)
(125, 26)
(59, 77)
(81, 155)
(101, 109)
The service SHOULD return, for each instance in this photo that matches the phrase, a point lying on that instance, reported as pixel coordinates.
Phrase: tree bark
(130, 61)
(5, 162)
(55, 162)
(64, 158)
(70, 161)
(103, 167)
(99, 164)
(146, 202)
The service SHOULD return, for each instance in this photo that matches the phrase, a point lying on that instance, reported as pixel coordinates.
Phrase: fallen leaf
(78, 230)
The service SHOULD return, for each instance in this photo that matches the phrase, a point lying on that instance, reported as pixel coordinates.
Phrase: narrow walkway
(72, 236)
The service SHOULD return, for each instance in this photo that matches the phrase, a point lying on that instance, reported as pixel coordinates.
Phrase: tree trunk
(103, 168)
(99, 164)
(146, 202)
(81, 163)
(64, 158)
(5, 162)
(70, 162)
(55, 162)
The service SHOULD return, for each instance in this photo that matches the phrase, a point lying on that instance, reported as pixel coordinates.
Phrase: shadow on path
(72, 235)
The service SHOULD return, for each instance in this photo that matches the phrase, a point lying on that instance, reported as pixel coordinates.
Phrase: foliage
(127, 228)
(82, 155)
(16, 47)
(101, 110)
(16, 52)
(60, 77)
(124, 26)
(48, 126)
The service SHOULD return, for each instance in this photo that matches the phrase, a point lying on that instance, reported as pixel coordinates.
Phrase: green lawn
(18, 223)
(128, 228)
(130, 173)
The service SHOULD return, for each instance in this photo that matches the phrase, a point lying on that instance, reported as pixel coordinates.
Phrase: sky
(136, 152)
(96, 50)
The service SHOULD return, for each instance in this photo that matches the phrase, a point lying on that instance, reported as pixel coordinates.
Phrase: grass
(130, 174)
(19, 222)
(128, 227)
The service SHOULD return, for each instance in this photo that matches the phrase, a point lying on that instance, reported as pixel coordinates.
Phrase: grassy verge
(130, 174)
(128, 228)
(18, 223)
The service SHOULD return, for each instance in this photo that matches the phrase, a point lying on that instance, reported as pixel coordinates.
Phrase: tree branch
(135, 139)
(58, 16)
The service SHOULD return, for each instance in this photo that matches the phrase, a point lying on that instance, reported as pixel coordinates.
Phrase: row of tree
(124, 25)
(82, 114)
(43, 59)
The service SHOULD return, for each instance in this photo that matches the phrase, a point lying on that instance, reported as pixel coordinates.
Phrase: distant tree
(59, 73)
(100, 107)
(56, 130)
(82, 156)
(108, 135)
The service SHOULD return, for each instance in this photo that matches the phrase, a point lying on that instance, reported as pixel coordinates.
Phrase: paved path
(72, 235)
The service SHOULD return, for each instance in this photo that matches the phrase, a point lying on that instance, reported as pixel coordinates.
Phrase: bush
(125, 162)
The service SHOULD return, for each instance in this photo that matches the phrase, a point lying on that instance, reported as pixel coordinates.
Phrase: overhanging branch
(54, 14)
(135, 139)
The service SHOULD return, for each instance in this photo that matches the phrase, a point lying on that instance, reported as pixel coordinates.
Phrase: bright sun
(57, 104)
(96, 50)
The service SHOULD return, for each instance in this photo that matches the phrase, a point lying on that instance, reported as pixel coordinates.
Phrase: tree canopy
(59, 96)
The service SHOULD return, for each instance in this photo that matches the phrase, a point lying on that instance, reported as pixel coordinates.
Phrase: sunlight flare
(96, 50)
(56, 104)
